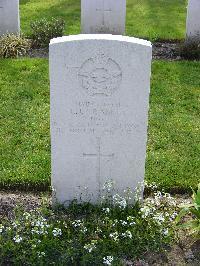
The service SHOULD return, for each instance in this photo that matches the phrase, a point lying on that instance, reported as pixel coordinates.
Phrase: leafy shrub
(43, 31)
(194, 209)
(86, 234)
(190, 49)
(12, 46)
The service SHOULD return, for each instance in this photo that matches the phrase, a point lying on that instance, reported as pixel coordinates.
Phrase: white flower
(84, 229)
(109, 185)
(159, 218)
(57, 232)
(14, 225)
(41, 254)
(131, 219)
(108, 260)
(165, 232)
(146, 211)
(17, 239)
(27, 215)
(98, 230)
(39, 231)
(123, 223)
(1, 228)
(173, 216)
(77, 223)
(106, 210)
(114, 236)
(127, 234)
(120, 201)
(91, 246)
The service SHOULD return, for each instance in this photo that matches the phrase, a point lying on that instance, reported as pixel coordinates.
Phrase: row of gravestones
(99, 16)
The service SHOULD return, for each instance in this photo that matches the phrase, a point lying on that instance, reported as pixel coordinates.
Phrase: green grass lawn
(174, 141)
(152, 19)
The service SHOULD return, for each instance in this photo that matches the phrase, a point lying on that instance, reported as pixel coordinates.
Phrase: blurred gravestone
(103, 16)
(193, 21)
(9, 17)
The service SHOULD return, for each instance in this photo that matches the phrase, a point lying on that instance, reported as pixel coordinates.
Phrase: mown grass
(173, 158)
(174, 141)
(149, 19)
(24, 131)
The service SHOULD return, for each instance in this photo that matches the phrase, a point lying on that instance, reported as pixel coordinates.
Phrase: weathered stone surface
(9, 16)
(103, 16)
(193, 20)
(99, 111)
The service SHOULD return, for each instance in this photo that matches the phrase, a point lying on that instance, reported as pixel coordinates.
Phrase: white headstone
(100, 88)
(193, 20)
(103, 16)
(9, 16)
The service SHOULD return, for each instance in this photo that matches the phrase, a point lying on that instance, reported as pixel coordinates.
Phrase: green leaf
(182, 213)
(191, 224)
(195, 212)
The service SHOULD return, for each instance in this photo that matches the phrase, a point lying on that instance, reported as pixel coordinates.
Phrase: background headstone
(100, 88)
(9, 16)
(193, 20)
(103, 16)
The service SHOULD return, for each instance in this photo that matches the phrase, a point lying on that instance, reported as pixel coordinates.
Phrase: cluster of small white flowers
(40, 254)
(1, 228)
(98, 230)
(15, 224)
(39, 231)
(123, 223)
(83, 229)
(120, 201)
(115, 222)
(114, 236)
(129, 194)
(159, 218)
(161, 199)
(173, 216)
(131, 220)
(108, 185)
(165, 231)
(152, 185)
(106, 210)
(77, 223)
(91, 246)
(17, 239)
(138, 191)
(40, 226)
(108, 260)
(57, 232)
(127, 234)
(27, 215)
(147, 211)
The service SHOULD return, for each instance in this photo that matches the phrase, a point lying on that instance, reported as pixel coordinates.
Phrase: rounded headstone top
(106, 37)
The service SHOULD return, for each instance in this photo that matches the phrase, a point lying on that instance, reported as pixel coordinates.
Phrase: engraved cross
(103, 12)
(98, 156)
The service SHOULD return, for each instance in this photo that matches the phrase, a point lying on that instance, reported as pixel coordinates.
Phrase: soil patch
(161, 50)
(166, 51)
